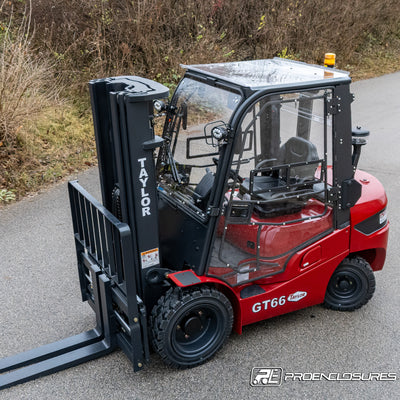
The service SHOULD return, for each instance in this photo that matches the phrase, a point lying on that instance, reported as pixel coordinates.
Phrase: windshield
(189, 152)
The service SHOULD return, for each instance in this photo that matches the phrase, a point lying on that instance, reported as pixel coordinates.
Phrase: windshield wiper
(170, 136)
(172, 164)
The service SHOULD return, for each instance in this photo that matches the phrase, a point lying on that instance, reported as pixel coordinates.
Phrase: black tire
(190, 325)
(351, 285)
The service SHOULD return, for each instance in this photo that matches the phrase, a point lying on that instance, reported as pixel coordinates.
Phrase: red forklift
(248, 205)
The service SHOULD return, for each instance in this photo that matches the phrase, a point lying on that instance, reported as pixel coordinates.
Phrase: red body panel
(275, 301)
(312, 278)
(313, 281)
(276, 240)
(303, 282)
(373, 200)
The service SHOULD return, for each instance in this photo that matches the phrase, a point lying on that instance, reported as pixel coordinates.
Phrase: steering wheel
(232, 172)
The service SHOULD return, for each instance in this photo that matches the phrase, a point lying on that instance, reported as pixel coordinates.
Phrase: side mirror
(359, 132)
(358, 135)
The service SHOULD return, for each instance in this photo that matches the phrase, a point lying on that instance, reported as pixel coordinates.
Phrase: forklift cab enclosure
(256, 166)
(259, 192)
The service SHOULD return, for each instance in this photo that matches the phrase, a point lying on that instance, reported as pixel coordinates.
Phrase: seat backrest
(203, 189)
(297, 149)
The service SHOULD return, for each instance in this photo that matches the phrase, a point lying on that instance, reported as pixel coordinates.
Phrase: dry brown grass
(41, 137)
(56, 144)
(77, 40)
(25, 88)
(97, 38)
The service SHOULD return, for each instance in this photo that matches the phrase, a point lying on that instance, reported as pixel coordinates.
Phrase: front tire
(351, 285)
(190, 325)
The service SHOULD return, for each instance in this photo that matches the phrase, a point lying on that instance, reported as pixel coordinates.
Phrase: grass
(46, 130)
(375, 57)
(58, 143)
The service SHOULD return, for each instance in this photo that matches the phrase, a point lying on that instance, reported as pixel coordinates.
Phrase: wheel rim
(345, 286)
(196, 331)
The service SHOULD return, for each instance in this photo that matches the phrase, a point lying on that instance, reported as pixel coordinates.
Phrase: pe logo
(266, 376)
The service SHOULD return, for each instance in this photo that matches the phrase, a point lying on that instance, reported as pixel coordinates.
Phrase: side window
(290, 145)
(279, 201)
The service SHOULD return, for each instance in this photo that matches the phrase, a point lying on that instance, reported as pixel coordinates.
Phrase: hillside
(50, 49)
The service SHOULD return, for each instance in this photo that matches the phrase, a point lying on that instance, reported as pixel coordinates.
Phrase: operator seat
(203, 189)
(295, 150)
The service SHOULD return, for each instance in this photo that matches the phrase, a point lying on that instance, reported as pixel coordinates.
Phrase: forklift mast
(111, 252)
(123, 123)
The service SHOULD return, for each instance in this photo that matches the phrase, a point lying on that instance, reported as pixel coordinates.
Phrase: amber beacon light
(330, 59)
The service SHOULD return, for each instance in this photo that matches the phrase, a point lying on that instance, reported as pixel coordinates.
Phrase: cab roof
(271, 73)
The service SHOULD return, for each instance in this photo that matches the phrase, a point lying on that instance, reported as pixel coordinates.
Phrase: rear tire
(351, 285)
(190, 325)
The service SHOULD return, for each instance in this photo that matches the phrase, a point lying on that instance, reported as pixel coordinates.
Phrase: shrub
(24, 81)
(97, 38)
(6, 196)
(80, 40)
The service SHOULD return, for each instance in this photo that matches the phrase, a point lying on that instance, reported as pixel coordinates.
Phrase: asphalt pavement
(40, 303)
